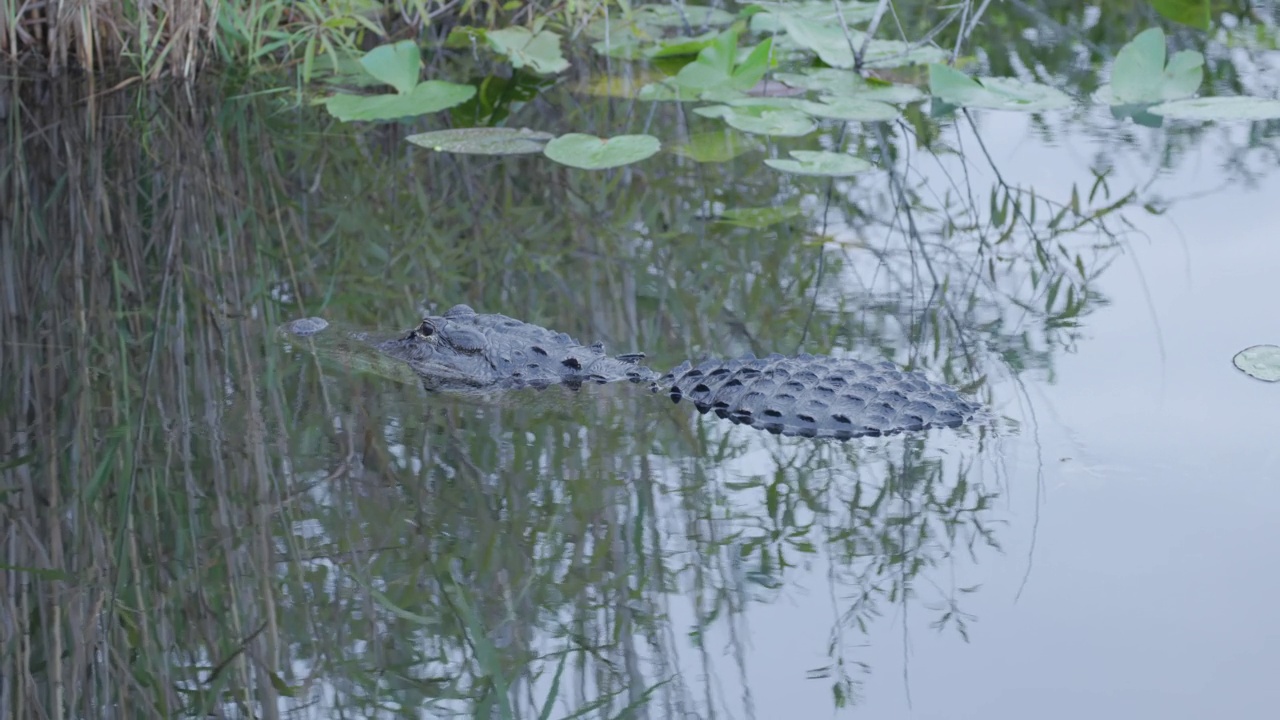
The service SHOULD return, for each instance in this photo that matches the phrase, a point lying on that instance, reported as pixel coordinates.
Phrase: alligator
(803, 395)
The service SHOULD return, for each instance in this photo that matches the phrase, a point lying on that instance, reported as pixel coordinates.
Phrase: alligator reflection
(484, 544)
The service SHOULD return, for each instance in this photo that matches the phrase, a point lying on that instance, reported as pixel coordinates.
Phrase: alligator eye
(425, 330)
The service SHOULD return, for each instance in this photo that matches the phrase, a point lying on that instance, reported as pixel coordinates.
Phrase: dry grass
(178, 38)
(173, 36)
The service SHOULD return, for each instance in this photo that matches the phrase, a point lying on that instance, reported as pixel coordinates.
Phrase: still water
(247, 525)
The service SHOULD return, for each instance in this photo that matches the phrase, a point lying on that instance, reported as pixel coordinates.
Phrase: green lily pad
(428, 97)
(1194, 13)
(777, 103)
(821, 163)
(846, 108)
(955, 88)
(681, 46)
(724, 95)
(759, 217)
(1140, 76)
(897, 54)
(1259, 361)
(847, 83)
(762, 120)
(343, 70)
(716, 147)
(484, 140)
(824, 11)
(538, 51)
(589, 152)
(716, 65)
(398, 65)
(1219, 108)
(829, 41)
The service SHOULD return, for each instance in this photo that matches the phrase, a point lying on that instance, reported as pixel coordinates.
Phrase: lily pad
(852, 11)
(821, 163)
(344, 71)
(716, 66)
(589, 152)
(832, 45)
(681, 46)
(484, 141)
(846, 108)
(398, 65)
(896, 54)
(1195, 13)
(1220, 108)
(538, 51)
(847, 83)
(428, 97)
(1259, 361)
(724, 95)
(1140, 76)
(777, 103)
(955, 88)
(762, 120)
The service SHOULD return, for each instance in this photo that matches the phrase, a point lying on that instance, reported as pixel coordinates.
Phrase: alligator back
(818, 396)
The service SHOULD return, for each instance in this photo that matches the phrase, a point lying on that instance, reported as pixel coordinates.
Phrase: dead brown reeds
(173, 37)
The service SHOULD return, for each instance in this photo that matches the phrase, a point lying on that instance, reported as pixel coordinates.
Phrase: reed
(149, 39)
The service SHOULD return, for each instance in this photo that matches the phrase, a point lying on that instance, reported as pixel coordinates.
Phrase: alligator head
(463, 349)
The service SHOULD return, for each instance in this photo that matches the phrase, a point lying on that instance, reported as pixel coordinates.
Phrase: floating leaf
(829, 41)
(716, 147)
(428, 97)
(723, 95)
(822, 163)
(483, 141)
(398, 65)
(344, 70)
(762, 120)
(855, 109)
(777, 103)
(955, 88)
(1140, 76)
(897, 54)
(1259, 361)
(539, 51)
(759, 217)
(1220, 108)
(715, 66)
(592, 153)
(847, 83)
(682, 46)
(824, 11)
(1193, 13)
(835, 47)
